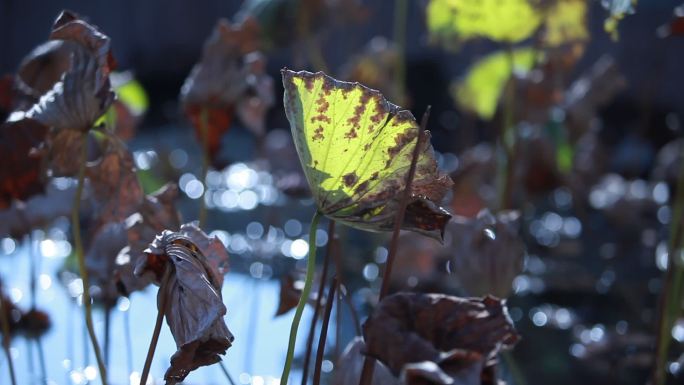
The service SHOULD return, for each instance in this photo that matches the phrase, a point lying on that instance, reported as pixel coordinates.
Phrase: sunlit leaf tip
(356, 149)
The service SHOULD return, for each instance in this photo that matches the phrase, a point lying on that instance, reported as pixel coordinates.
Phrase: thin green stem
(310, 268)
(4, 314)
(204, 129)
(78, 245)
(161, 309)
(508, 141)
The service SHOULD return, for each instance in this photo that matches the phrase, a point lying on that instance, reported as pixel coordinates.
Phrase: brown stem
(78, 244)
(225, 373)
(508, 132)
(324, 331)
(321, 287)
(204, 129)
(162, 298)
(369, 362)
(4, 314)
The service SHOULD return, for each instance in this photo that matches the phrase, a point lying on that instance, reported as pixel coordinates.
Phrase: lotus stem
(161, 309)
(6, 340)
(204, 129)
(321, 287)
(310, 267)
(225, 373)
(369, 362)
(510, 149)
(670, 297)
(324, 332)
(78, 244)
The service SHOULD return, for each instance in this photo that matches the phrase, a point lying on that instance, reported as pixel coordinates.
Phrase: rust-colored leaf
(21, 174)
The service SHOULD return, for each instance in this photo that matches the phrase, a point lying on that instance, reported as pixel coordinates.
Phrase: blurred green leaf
(481, 89)
(566, 22)
(133, 95)
(507, 21)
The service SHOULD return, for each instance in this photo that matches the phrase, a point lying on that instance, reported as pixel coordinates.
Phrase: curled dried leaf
(456, 334)
(195, 309)
(486, 252)
(79, 67)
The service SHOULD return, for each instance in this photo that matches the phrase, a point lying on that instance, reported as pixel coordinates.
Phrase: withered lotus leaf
(83, 91)
(486, 252)
(21, 174)
(291, 286)
(460, 335)
(194, 305)
(114, 182)
(350, 365)
(229, 77)
(356, 149)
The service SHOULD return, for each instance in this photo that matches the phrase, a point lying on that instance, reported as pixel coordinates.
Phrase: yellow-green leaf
(133, 95)
(566, 22)
(356, 149)
(508, 21)
(481, 89)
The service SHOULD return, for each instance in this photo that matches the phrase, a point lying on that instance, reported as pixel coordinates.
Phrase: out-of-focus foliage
(566, 22)
(483, 86)
(617, 9)
(506, 21)
(356, 148)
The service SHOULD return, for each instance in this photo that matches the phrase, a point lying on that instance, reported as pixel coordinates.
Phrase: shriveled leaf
(453, 333)
(507, 21)
(356, 149)
(566, 22)
(194, 305)
(486, 252)
(21, 175)
(230, 76)
(617, 9)
(44, 66)
(83, 92)
(156, 213)
(115, 184)
(482, 88)
(78, 100)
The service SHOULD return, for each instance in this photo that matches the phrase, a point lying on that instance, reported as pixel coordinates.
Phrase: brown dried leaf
(454, 333)
(194, 309)
(487, 252)
(291, 286)
(350, 365)
(114, 182)
(21, 175)
(229, 77)
(83, 92)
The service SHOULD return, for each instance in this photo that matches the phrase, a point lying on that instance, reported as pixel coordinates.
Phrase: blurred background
(597, 112)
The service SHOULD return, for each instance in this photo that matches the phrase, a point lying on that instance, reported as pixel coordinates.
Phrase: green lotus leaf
(356, 150)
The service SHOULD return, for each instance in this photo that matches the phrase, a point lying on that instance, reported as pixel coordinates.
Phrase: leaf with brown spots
(356, 149)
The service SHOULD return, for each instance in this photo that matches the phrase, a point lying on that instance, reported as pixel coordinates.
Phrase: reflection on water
(256, 356)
